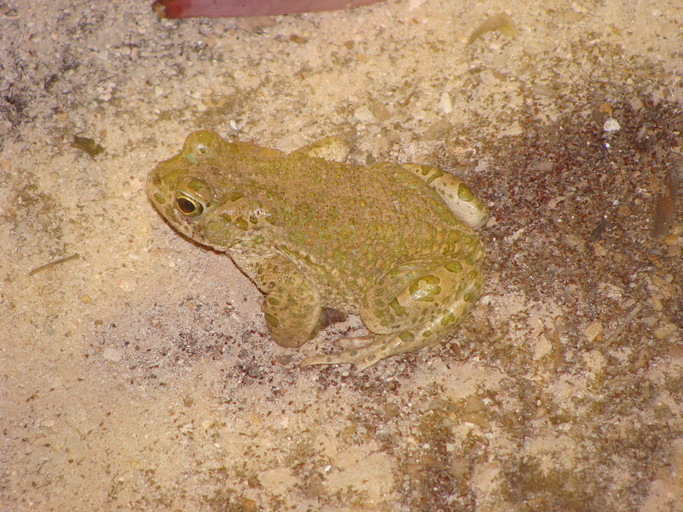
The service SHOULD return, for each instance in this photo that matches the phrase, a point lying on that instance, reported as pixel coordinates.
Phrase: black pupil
(186, 206)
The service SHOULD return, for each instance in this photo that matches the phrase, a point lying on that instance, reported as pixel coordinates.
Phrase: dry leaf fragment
(88, 145)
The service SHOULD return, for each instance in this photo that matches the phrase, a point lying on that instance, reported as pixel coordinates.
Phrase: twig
(52, 263)
(623, 325)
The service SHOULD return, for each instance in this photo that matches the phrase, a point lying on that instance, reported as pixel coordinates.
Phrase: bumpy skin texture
(319, 237)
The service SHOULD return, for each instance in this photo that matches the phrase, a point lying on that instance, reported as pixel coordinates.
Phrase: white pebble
(611, 125)
(445, 103)
(363, 114)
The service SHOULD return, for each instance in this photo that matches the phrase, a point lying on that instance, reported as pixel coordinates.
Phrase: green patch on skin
(217, 231)
(407, 336)
(464, 193)
(447, 319)
(197, 185)
(231, 197)
(453, 266)
(454, 236)
(272, 320)
(170, 179)
(241, 223)
(397, 308)
(425, 289)
(471, 296)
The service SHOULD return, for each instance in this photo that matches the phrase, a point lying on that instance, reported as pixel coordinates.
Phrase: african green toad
(392, 243)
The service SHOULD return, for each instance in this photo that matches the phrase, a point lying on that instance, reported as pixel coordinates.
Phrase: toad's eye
(187, 205)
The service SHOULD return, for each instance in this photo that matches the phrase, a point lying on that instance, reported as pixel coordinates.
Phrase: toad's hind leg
(419, 315)
(466, 206)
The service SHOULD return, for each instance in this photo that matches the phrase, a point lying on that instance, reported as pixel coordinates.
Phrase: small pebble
(611, 125)
(363, 114)
(445, 103)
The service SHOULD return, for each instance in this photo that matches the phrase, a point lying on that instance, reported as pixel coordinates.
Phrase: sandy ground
(138, 374)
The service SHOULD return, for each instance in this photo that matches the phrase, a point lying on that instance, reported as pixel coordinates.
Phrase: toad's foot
(363, 357)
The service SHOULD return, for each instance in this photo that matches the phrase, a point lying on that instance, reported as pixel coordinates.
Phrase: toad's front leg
(292, 305)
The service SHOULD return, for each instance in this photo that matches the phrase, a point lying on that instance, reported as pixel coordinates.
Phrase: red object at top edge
(241, 8)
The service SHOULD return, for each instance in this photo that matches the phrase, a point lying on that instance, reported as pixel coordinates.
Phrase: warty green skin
(386, 241)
